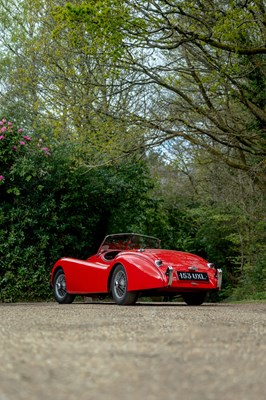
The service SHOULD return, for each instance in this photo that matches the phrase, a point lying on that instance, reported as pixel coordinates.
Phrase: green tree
(61, 81)
(205, 82)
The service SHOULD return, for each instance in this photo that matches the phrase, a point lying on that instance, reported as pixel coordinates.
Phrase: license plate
(193, 276)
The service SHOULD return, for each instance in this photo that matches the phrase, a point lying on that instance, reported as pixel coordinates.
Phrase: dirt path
(150, 351)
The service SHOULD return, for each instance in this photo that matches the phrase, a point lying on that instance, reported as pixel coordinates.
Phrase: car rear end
(185, 272)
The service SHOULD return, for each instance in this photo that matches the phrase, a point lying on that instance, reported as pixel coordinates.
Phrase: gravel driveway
(149, 351)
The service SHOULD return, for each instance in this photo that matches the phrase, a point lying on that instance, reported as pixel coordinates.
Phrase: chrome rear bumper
(170, 273)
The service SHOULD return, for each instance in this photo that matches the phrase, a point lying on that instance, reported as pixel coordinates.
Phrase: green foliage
(252, 283)
(217, 213)
(102, 20)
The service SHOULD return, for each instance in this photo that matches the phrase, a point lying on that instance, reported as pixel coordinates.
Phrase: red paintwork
(93, 275)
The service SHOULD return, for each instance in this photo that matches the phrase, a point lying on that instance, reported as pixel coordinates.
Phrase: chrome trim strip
(192, 268)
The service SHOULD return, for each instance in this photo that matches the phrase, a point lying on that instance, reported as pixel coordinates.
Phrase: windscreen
(127, 241)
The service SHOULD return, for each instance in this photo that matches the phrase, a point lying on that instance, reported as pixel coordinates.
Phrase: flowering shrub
(25, 166)
(13, 145)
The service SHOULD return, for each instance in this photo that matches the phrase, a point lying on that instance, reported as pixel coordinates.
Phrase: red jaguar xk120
(130, 265)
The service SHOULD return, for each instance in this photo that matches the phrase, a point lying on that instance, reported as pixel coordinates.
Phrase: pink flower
(26, 137)
(22, 143)
(2, 137)
(3, 129)
(15, 148)
(9, 123)
(1, 123)
(4, 120)
(1, 178)
(20, 130)
(46, 151)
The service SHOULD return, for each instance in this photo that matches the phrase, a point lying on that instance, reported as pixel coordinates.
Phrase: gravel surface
(149, 351)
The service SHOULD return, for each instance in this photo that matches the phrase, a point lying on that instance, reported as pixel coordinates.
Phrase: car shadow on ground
(148, 304)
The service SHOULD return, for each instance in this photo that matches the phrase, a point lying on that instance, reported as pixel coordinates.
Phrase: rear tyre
(194, 299)
(119, 288)
(59, 289)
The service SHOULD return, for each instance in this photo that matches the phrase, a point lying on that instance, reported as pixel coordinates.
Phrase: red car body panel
(146, 269)
(83, 276)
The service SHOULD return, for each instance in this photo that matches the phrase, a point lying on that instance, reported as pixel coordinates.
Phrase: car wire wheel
(120, 284)
(119, 287)
(59, 289)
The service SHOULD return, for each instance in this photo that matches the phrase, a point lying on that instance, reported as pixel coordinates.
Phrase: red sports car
(130, 265)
